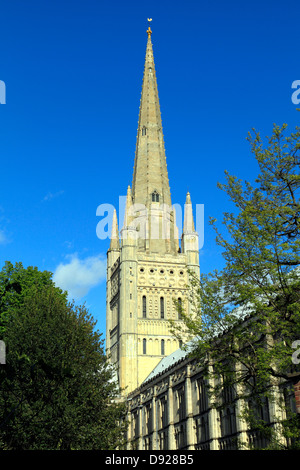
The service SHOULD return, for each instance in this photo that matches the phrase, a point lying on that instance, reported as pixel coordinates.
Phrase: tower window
(144, 346)
(162, 347)
(144, 306)
(179, 308)
(144, 130)
(155, 196)
(162, 308)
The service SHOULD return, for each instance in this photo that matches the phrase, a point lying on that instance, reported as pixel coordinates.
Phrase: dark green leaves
(249, 312)
(56, 388)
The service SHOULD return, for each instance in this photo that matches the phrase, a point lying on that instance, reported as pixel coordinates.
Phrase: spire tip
(149, 32)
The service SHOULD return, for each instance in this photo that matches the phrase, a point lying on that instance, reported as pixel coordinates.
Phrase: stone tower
(146, 268)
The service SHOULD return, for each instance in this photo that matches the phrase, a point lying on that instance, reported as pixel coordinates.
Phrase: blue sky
(73, 75)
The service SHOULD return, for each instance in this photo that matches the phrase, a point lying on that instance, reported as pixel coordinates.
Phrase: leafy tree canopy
(255, 298)
(57, 390)
(16, 283)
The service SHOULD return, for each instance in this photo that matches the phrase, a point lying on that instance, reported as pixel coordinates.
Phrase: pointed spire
(128, 216)
(188, 224)
(115, 240)
(150, 167)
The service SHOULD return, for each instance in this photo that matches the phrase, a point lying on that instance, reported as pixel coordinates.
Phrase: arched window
(144, 306)
(179, 308)
(144, 130)
(162, 347)
(162, 308)
(155, 196)
(144, 346)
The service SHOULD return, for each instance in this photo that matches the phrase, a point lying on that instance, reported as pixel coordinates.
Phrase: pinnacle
(114, 241)
(188, 224)
(188, 198)
(128, 217)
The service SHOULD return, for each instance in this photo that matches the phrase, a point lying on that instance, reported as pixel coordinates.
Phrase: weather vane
(149, 29)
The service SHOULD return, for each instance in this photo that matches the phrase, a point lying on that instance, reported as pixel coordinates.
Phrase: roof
(169, 361)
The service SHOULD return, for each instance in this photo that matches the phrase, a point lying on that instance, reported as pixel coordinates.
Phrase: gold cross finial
(149, 29)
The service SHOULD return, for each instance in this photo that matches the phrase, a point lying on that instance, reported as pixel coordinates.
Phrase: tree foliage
(57, 390)
(17, 283)
(247, 315)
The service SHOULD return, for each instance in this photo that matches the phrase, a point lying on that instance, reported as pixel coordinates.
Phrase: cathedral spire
(150, 177)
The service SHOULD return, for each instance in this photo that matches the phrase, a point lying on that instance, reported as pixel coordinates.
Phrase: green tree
(16, 283)
(247, 315)
(57, 390)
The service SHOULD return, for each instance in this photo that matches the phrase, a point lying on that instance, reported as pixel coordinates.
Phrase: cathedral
(148, 271)
(146, 267)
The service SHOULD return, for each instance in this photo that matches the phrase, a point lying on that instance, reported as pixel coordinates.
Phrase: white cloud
(50, 195)
(78, 276)
(3, 238)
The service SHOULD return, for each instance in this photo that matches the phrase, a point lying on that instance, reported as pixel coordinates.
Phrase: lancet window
(162, 308)
(155, 196)
(144, 307)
